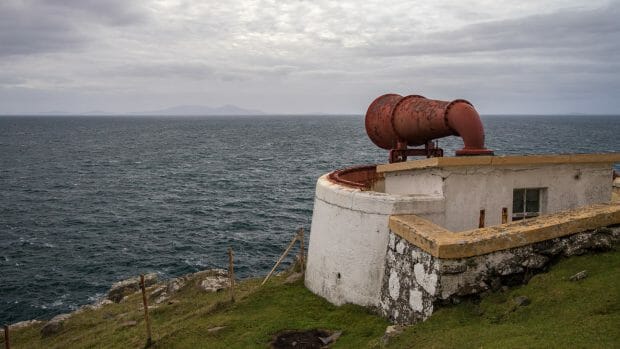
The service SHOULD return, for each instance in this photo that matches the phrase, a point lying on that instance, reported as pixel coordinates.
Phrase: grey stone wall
(415, 282)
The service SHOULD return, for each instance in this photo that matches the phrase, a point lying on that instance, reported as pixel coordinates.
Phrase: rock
(158, 291)
(210, 272)
(391, 332)
(55, 325)
(101, 303)
(535, 261)
(294, 277)
(331, 339)
(550, 247)
(175, 285)
(24, 324)
(163, 292)
(580, 275)
(216, 329)
(161, 299)
(213, 280)
(453, 267)
(121, 289)
(214, 284)
(129, 323)
(581, 243)
(522, 301)
(97, 305)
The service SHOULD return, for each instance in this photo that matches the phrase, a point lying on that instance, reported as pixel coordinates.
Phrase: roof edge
(503, 160)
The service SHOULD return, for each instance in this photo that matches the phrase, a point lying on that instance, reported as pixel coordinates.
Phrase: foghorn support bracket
(395, 122)
(430, 150)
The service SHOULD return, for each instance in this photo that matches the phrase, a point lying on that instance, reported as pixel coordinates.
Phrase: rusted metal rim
(377, 123)
(360, 177)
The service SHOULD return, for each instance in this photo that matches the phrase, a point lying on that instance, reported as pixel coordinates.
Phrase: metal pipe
(395, 122)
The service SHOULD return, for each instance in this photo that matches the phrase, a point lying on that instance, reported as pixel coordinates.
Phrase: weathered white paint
(349, 236)
(469, 189)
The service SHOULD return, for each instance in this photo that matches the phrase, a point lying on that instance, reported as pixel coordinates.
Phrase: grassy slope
(562, 314)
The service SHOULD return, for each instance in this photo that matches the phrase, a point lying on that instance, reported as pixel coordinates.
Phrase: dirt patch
(309, 339)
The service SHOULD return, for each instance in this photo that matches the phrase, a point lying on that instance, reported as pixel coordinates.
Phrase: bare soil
(300, 339)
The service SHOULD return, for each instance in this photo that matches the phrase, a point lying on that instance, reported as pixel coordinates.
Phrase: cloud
(39, 26)
(303, 56)
(591, 32)
(197, 71)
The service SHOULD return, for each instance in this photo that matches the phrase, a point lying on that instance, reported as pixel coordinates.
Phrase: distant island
(180, 110)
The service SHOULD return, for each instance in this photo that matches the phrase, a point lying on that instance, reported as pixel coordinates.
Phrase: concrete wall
(348, 237)
(469, 189)
(415, 282)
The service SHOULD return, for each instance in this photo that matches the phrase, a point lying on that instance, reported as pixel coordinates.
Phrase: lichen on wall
(415, 282)
(410, 282)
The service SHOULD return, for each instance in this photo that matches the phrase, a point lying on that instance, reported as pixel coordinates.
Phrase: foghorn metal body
(395, 122)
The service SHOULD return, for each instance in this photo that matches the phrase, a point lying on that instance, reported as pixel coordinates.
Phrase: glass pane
(532, 202)
(517, 200)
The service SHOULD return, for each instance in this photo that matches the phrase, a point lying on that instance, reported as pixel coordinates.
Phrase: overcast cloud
(308, 56)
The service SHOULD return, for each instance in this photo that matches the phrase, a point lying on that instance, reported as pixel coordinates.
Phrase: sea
(87, 201)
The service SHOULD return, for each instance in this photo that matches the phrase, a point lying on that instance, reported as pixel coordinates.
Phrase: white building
(350, 230)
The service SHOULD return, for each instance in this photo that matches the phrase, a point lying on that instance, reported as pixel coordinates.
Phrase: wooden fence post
(302, 254)
(481, 219)
(149, 340)
(231, 274)
(288, 249)
(7, 339)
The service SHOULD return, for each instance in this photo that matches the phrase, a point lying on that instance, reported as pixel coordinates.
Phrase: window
(526, 203)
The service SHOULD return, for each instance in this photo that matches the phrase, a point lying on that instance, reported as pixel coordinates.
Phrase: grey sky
(308, 56)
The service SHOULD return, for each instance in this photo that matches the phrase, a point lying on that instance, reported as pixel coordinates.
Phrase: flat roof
(503, 160)
(443, 243)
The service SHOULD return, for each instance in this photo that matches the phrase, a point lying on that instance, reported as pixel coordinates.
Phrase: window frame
(525, 214)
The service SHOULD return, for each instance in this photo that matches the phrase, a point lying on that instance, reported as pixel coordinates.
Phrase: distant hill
(202, 110)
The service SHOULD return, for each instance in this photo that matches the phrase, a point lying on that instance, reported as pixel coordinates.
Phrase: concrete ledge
(442, 243)
(500, 161)
(376, 202)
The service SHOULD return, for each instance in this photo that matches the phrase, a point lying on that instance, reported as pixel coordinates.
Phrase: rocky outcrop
(55, 325)
(121, 289)
(24, 324)
(415, 282)
(211, 280)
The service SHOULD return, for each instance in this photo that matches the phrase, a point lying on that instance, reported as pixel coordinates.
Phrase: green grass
(565, 314)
